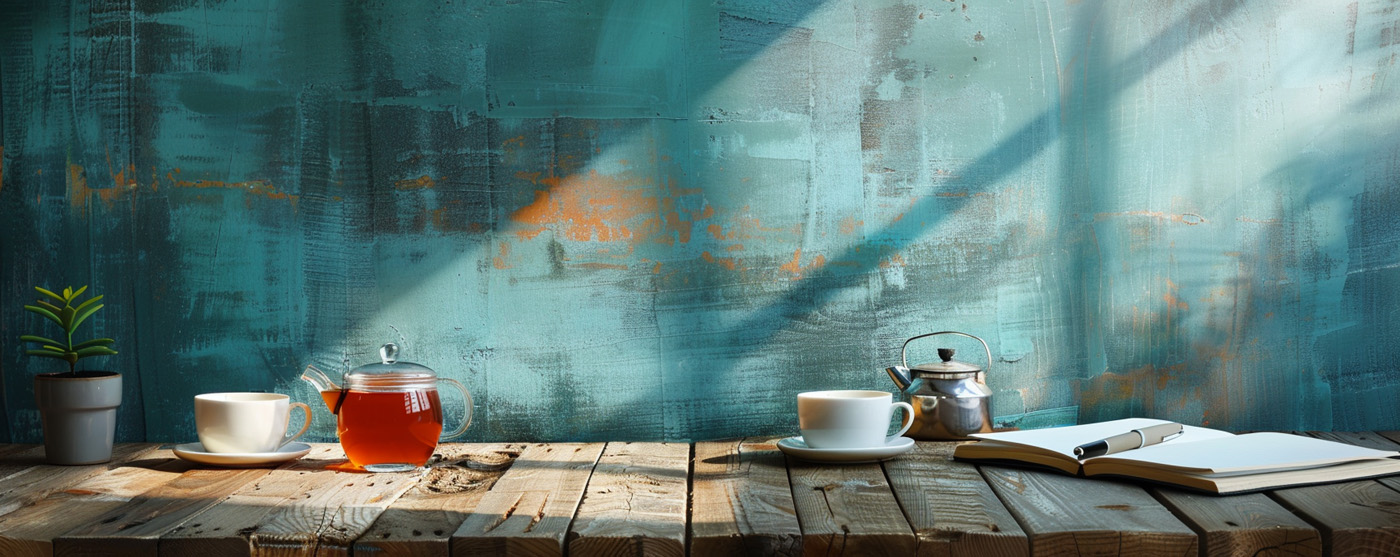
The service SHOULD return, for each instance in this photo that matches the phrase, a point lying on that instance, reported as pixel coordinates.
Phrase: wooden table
(730, 498)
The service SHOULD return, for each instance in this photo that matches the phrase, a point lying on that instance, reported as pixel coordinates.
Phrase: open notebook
(1200, 459)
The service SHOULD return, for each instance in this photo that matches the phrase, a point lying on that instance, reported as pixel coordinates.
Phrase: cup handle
(467, 419)
(908, 419)
(305, 410)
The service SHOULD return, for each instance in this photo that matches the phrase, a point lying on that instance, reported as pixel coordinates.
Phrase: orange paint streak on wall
(590, 207)
(726, 262)
(794, 266)
(255, 187)
(849, 224)
(499, 261)
(79, 194)
(896, 260)
(421, 182)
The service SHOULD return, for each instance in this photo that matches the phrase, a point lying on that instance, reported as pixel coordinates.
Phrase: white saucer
(797, 447)
(194, 452)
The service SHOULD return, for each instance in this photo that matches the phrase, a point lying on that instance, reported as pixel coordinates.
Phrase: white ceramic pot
(79, 415)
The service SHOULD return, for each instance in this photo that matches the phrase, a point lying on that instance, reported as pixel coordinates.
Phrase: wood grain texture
(950, 506)
(742, 500)
(529, 509)
(224, 529)
(22, 457)
(32, 479)
(636, 502)
(1250, 524)
(1069, 515)
(331, 510)
(1354, 518)
(422, 520)
(30, 531)
(8, 449)
(848, 510)
(136, 526)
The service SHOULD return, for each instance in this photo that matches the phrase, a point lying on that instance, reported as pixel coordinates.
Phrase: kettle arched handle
(904, 349)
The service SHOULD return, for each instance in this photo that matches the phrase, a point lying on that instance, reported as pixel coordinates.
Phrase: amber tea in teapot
(388, 415)
(388, 427)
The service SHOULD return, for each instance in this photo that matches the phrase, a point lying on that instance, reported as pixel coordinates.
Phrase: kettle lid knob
(946, 354)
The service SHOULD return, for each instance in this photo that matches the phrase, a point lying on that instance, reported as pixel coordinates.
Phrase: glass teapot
(388, 415)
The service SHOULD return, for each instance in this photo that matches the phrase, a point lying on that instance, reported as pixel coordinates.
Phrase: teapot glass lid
(389, 364)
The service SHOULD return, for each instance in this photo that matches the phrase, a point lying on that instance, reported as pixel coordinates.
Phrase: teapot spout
(900, 375)
(322, 382)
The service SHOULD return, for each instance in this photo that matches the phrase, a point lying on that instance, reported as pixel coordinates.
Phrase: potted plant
(78, 408)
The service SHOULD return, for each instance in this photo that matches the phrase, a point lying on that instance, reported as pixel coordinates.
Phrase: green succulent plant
(67, 317)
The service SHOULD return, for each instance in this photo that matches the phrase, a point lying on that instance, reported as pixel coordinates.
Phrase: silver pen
(1135, 439)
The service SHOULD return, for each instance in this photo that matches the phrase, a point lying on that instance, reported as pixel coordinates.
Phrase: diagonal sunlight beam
(823, 284)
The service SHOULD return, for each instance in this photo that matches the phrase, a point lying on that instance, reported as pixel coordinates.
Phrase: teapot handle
(466, 419)
(904, 349)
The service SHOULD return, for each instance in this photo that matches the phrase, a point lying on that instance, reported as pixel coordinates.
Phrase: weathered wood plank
(848, 509)
(1078, 516)
(422, 520)
(33, 479)
(8, 449)
(529, 509)
(20, 458)
(32, 529)
(334, 508)
(135, 528)
(636, 502)
(951, 508)
(1354, 518)
(742, 501)
(223, 530)
(1250, 524)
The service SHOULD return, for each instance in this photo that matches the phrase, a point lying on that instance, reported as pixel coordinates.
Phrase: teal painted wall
(662, 220)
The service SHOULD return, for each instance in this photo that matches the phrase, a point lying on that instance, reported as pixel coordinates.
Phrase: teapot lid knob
(946, 354)
(389, 353)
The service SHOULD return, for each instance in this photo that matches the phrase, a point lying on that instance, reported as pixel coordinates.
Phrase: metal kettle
(950, 398)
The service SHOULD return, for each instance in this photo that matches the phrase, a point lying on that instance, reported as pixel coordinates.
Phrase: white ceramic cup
(245, 422)
(849, 419)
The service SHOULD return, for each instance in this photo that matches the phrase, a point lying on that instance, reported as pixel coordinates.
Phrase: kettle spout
(900, 375)
(324, 384)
